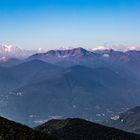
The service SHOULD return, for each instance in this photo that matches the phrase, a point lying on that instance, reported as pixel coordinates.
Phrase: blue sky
(50, 24)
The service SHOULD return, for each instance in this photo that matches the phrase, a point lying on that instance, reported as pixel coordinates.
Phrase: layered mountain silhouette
(128, 120)
(26, 71)
(124, 61)
(76, 91)
(66, 58)
(70, 83)
(108, 55)
(69, 129)
(62, 53)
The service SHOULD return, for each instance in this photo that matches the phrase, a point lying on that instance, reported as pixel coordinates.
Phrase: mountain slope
(68, 57)
(104, 84)
(77, 92)
(69, 129)
(108, 55)
(34, 70)
(116, 60)
(24, 73)
(128, 120)
(78, 129)
(62, 53)
(10, 62)
(10, 130)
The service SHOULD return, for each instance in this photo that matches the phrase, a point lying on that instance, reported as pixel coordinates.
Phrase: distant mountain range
(80, 52)
(11, 51)
(118, 60)
(69, 83)
(69, 129)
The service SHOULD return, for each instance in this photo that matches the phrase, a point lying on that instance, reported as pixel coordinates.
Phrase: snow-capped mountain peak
(100, 48)
(11, 51)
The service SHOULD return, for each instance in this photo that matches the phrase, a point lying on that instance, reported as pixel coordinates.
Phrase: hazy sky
(63, 23)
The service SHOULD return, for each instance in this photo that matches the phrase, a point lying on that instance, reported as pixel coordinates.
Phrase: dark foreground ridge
(78, 129)
(69, 129)
(10, 130)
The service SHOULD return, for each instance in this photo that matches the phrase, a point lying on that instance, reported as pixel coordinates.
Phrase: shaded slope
(25, 73)
(78, 92)
(34, 70)
(128, 120)
(78, 129)
(10, 130)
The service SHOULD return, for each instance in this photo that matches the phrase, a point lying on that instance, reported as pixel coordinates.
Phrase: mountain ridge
(77, 129)
(68, 129)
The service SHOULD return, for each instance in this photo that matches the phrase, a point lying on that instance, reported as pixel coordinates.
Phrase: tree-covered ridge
(10, 130)
(79, 129)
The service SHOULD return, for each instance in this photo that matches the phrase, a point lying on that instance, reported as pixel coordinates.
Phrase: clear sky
(63, 23)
